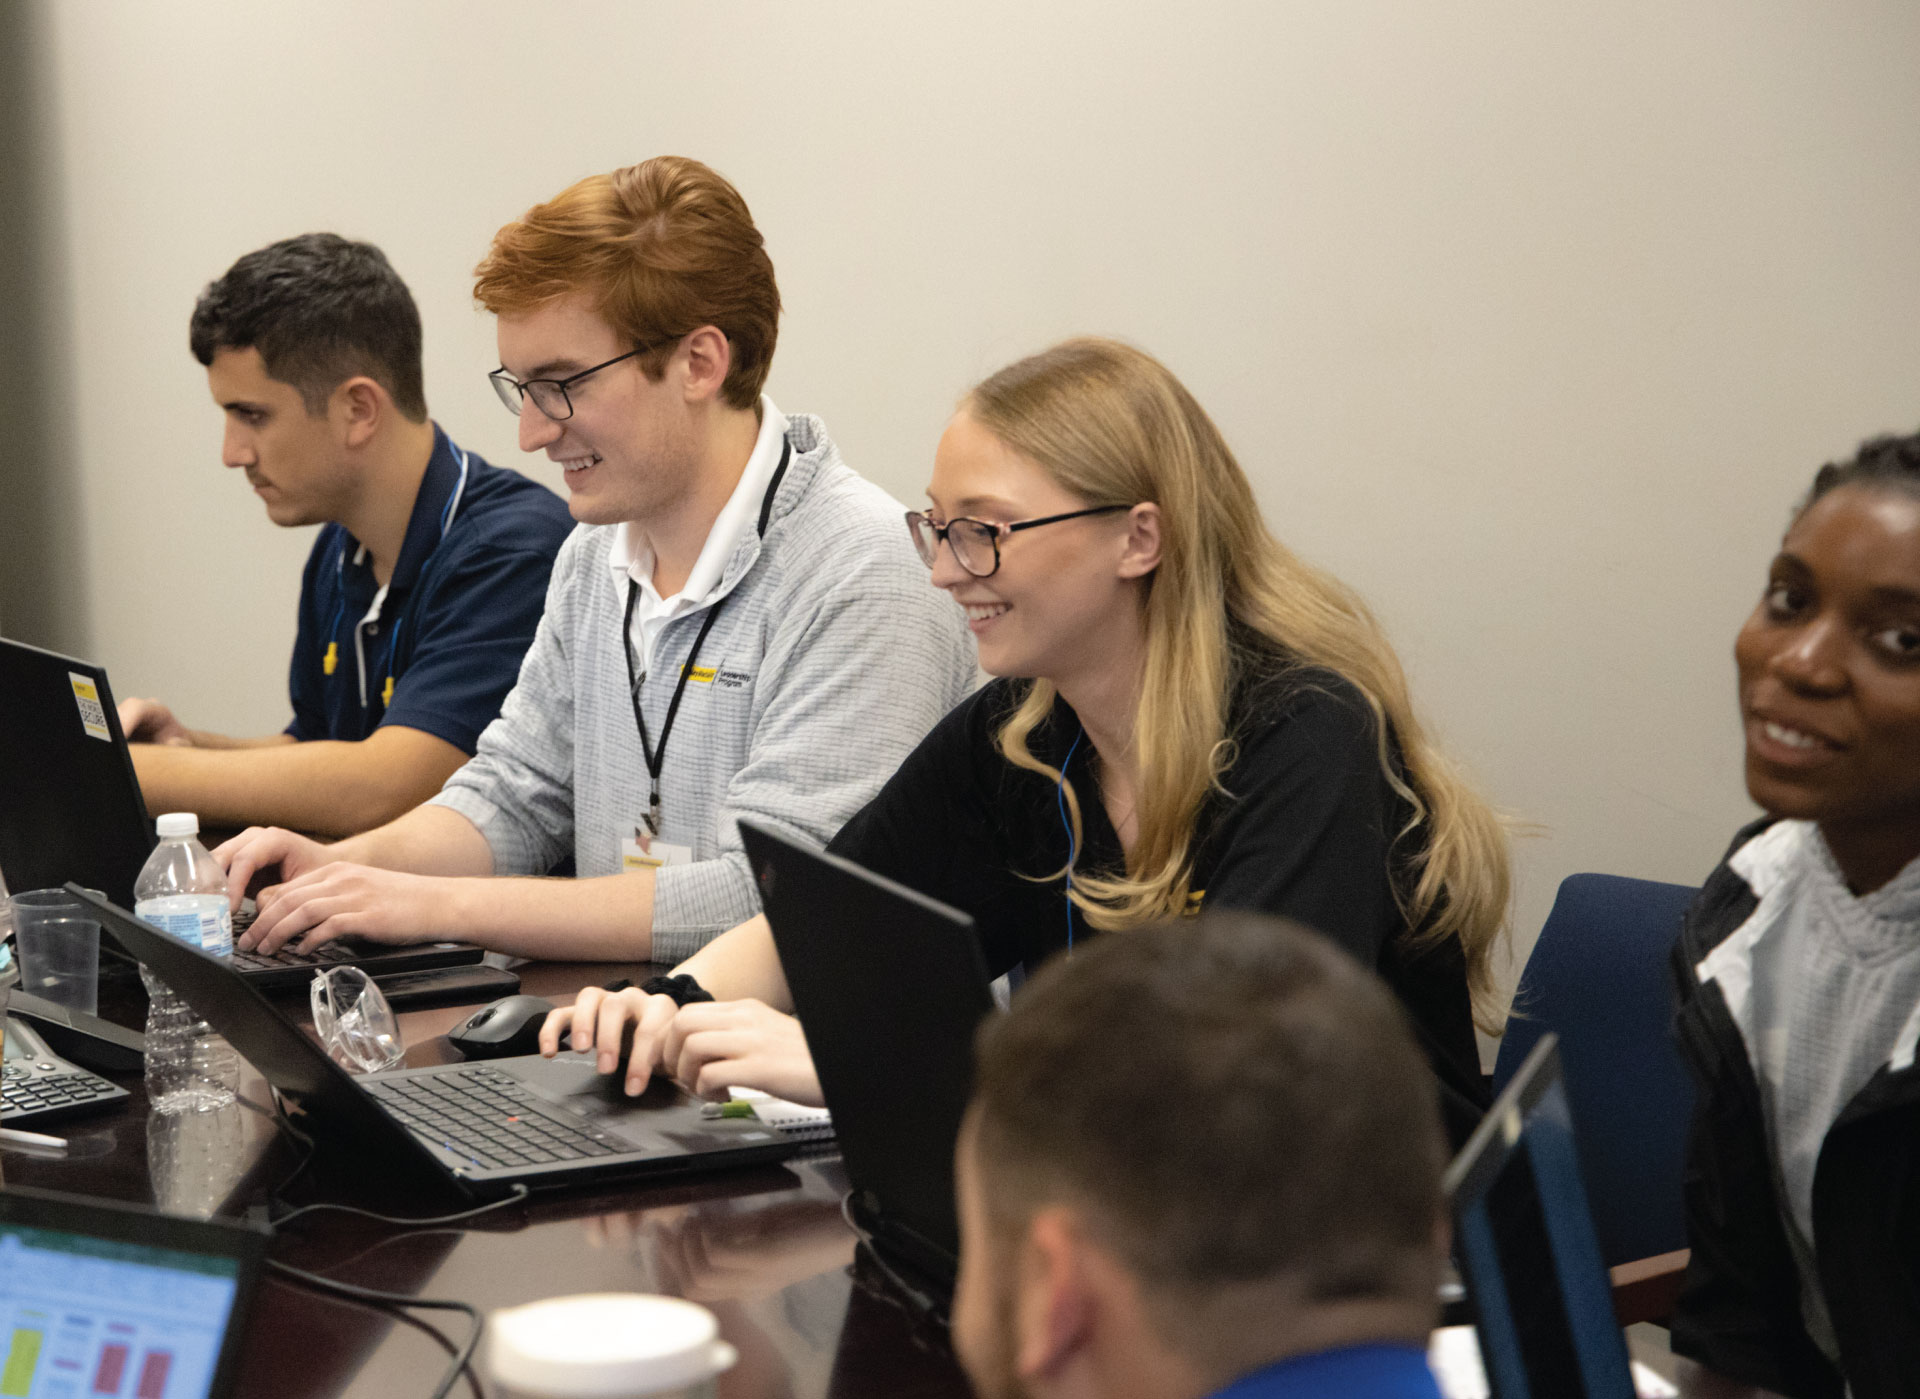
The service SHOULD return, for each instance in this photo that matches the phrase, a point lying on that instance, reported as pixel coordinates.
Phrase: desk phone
(37, 1085)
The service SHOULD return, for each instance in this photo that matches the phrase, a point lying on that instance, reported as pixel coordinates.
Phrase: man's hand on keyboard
(261, 848)
(345, 900)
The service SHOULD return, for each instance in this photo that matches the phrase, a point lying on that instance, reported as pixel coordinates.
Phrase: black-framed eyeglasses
(976, 543)
(550, 395)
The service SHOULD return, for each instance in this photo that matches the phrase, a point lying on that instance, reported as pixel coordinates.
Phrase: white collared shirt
(632, 559)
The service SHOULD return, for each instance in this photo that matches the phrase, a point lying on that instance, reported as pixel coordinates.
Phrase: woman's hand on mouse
(598, 1020)
(711, 1046)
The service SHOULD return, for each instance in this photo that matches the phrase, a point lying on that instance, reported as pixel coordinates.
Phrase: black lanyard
(656, 758)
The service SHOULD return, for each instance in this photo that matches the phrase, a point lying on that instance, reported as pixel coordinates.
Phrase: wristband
(683, 990)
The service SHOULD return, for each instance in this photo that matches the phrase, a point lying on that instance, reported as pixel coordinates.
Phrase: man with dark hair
(1201, 1159)
(424, 588)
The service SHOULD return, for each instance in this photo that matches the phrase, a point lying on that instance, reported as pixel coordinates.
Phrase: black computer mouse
(510, 1025)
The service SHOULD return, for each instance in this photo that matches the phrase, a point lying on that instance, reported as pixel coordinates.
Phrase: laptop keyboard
(326, 955)
(491, 1118)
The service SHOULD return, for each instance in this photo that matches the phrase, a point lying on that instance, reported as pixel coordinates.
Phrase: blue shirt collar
(430, 503)
(1352, 1372)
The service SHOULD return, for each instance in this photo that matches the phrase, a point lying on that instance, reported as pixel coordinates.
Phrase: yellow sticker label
(92, 717)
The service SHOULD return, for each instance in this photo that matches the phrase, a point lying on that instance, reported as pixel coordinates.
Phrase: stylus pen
(15, 1137)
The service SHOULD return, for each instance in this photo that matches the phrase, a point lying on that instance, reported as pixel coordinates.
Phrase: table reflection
(195, 1159)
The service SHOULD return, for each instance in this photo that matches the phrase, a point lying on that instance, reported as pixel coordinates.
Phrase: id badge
(647, 852)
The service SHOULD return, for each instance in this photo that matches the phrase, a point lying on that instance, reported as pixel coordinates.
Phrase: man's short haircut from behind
(1229, 1100)
(320, 309)
(660, 249)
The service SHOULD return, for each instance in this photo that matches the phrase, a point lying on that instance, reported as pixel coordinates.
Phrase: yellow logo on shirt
(702, 674)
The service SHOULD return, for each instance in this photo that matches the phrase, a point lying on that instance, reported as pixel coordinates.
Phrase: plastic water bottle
(182, 891)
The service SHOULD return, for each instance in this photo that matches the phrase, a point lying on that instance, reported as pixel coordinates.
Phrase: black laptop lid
(274, 1045)
(70, 805)
(1524, 1240)
(100, 1298)
(889, 986)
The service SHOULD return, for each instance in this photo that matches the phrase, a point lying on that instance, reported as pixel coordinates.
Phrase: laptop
(480, 1129)
(890, 986)
(99, 1298)
(71, 809)
(1525, 1244)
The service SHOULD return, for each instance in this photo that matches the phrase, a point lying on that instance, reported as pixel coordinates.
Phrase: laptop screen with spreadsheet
(99, 1300)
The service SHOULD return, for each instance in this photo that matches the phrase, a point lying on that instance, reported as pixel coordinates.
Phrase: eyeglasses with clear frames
(976, 543)
(550, 395)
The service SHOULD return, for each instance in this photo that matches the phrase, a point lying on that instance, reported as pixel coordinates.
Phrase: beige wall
(1529, 320)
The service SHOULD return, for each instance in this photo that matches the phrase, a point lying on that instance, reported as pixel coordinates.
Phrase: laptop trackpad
(665, 1116)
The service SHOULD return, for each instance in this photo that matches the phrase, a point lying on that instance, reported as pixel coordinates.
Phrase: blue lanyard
(332, 659)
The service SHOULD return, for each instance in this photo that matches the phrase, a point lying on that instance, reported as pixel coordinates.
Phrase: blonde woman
(1184, 715)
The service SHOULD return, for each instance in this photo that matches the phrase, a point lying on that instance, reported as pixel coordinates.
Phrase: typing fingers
(657, 1014)
(286, 911)
(554, 1026)
(609, 1028)
(305, 920)
(243, 857)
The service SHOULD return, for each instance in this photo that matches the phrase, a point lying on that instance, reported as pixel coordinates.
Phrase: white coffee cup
(606, 1345)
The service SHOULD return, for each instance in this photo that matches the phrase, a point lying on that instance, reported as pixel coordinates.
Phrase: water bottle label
(199, 920)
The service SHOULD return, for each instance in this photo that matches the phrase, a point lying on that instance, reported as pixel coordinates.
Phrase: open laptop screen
(1524, 1239)
(96, 1300)
(70, 804)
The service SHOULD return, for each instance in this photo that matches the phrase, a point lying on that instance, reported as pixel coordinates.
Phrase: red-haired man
(739, 626)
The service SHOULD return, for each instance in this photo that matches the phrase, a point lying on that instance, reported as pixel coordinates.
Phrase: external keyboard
(490, 1118)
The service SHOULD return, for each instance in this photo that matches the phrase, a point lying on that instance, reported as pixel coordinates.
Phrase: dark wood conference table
(765, 1248)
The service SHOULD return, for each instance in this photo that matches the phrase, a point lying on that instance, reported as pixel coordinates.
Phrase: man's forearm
(328, 788)
(203, 738)
(609, 919)
(427, 840)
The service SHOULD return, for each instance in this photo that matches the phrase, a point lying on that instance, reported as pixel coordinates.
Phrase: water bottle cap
(178, 823)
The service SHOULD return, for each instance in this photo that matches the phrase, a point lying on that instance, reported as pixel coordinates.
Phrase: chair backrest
(1598, 979)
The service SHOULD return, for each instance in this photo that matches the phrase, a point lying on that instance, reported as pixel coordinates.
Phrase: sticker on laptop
(92, 717)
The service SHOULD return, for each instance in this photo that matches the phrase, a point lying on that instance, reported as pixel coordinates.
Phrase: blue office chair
(1598, 979)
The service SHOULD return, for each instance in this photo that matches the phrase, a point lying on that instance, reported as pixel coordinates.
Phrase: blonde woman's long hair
(1228, 603)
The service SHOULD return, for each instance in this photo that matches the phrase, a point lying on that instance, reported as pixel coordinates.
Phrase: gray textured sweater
(831, 658)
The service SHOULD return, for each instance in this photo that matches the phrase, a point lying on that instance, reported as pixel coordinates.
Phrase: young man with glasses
(743, 631)
(424, 587)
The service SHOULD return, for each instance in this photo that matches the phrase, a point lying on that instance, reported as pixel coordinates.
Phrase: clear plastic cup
(58, 944)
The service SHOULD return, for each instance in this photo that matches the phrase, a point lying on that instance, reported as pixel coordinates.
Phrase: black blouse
(1306, 831)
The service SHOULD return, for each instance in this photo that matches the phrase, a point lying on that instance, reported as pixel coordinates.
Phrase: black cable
(285, 1124)
(917, 1302)
(520, 1192)
(462, 1356)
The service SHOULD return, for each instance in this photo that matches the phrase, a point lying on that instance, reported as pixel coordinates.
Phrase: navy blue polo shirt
(445, 644)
